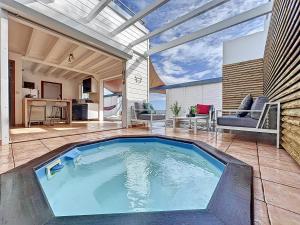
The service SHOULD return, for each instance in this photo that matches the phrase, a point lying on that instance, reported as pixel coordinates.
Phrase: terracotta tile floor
(276, 180)
(35, 132)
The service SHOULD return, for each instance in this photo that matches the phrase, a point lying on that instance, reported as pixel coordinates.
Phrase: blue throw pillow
(148, 108)
(245, 105)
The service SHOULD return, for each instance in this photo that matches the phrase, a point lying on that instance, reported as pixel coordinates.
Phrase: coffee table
(191, 120)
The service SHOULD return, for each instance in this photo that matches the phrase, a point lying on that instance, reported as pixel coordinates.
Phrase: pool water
(132, 175)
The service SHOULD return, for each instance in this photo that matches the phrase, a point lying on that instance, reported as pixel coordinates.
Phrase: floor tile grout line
(280, 184)
(281, 208)
(279, 169)
(13, 155)
(262, 185)
(22, 141)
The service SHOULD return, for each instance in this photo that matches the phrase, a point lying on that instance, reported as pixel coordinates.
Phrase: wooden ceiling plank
(31, 59)
(71, 49)
(32, 38)
(93, 62)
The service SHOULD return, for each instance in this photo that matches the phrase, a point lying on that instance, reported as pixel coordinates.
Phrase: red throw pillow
(202, 109)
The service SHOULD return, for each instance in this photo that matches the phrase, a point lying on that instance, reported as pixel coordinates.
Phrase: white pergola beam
(59, 24)
(96, 10)
(227, 23)
(196, 12)
(4, 79)
(138, 16)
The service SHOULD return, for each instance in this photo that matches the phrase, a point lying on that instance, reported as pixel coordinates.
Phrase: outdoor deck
(35, 132)
(276, 175)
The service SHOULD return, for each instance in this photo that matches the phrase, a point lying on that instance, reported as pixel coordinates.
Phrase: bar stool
(37, 104)
(57, 108)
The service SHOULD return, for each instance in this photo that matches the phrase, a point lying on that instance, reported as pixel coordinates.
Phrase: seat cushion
(245, 105)
(202, 109)
(258, 104)
(144, 116)
(236, 121)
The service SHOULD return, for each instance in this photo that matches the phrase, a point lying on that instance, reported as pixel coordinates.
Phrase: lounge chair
(144, 112)
(210, 119)
(259, 118)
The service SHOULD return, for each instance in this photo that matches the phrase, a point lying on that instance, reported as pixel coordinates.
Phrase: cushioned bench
(251, 116)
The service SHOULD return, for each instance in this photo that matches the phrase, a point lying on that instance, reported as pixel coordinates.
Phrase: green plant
(192, 110)
(175, 108)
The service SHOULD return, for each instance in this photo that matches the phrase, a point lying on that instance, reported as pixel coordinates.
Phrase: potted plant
(192, 111)
(175, 108)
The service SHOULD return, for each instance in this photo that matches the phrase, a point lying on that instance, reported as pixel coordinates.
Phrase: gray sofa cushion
(154, 117)
(258, 104)
(245, 105)
(236, 121)
(139, 107)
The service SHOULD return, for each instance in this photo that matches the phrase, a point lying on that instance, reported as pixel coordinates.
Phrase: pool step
(74, 155)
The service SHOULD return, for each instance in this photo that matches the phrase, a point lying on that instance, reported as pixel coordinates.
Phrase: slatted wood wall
(240, 79)
(282, 70)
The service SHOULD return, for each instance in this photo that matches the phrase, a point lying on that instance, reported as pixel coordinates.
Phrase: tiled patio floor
(276, 175)
(35, 132)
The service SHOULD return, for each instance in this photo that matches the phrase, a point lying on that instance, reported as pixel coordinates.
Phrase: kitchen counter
(50, 102)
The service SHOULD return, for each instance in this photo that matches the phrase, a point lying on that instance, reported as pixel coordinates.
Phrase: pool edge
(223, 206)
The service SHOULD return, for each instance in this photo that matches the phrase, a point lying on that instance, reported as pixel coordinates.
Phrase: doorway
(12, 78)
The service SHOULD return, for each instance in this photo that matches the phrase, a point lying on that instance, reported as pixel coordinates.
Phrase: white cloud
(201, 58)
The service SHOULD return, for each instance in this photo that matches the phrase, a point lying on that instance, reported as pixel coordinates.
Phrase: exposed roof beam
(227, 23)
(139, 16)
(92, 68)
(50, 71)
(104, 64)
(62, 74)
(83, 57)
(96, 10)
(70, 74)
(32, 38)
(93, 62)
(77, 76)
(85, 60)
(31, 59)
(196, 12)
(112, 66)
(49, 51)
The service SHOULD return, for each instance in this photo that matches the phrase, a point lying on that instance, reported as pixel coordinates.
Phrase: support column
(4, 84)
(124, 98)
(101, 100)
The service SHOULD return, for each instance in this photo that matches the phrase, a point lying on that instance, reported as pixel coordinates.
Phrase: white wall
(210, 94)
(137, 67)
(245, 48)
(69, 87)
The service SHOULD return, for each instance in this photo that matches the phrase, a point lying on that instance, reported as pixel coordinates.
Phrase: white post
(101, 100)
(4, 84)
(124, 98)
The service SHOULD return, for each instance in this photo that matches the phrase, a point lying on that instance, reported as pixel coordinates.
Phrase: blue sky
(200, 59)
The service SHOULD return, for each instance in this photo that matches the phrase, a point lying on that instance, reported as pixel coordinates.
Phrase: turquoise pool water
(132, 175)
